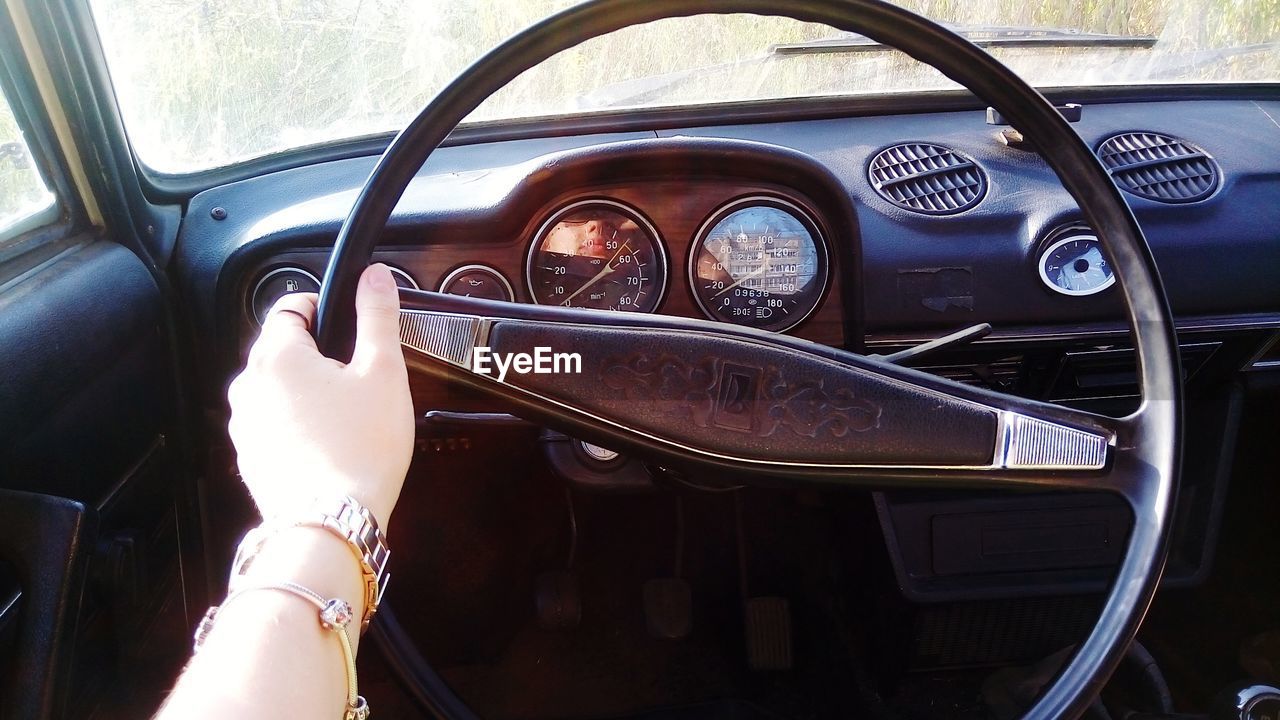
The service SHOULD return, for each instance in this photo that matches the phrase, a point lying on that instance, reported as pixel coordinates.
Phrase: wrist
(345, 520)
(312, 557)
(285, 508)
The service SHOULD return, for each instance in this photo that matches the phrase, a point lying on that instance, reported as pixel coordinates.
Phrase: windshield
(209, 83)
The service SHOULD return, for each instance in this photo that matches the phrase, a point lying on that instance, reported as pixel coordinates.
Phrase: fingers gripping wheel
(871, 438)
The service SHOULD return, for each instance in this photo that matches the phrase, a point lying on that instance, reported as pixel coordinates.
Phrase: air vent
(1158, 167)
(929, 179)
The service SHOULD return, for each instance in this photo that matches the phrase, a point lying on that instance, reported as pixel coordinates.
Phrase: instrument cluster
(759, 260)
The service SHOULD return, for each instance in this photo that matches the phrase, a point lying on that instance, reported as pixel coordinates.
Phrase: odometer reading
(759, 262)
(597, 254)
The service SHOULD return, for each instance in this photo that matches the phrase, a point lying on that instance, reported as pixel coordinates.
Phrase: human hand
(306, 426)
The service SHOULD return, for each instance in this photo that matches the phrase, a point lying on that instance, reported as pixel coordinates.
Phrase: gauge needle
(744, 278)
(608, 268)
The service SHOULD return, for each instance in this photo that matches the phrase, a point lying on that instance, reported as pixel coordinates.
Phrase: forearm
(267, 655)
(306, 429)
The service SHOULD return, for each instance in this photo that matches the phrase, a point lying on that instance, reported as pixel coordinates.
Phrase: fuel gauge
(1076, 265)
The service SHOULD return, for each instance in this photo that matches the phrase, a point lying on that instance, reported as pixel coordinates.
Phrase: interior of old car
(834, 358)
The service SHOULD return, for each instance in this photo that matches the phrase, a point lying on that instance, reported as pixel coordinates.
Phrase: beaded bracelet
(335, 614)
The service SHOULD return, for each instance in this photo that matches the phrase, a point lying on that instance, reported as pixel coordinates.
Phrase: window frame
(17, 85)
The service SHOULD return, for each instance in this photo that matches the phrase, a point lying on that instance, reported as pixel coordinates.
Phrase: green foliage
(22, 192)
(209, 82)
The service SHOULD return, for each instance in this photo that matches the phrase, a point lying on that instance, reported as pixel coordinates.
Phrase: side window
(23, 192)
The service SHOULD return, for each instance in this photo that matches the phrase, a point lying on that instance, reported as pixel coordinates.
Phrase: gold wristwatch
(349, 520)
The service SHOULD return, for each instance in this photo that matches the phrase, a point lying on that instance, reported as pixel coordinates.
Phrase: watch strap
(344, 517)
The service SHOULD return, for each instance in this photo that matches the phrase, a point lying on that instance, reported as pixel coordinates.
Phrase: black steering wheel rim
(1152, 436)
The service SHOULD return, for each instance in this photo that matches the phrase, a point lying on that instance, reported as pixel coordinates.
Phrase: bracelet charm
(334, 615)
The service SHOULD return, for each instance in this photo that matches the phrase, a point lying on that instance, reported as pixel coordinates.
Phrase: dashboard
(1015, 254)
(867, 231)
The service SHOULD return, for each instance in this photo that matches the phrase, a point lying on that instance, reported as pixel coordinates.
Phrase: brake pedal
(668, 608)
(557, 594)
(668, 602)
(766, 619)
(768, 628)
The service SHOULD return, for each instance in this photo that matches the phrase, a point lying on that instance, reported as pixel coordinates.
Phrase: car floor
(1228, 629)
(610, 665)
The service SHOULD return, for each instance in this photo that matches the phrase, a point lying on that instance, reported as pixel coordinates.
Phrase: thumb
(377, 316)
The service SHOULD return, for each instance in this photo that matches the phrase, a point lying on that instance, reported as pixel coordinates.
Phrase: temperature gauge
(1076, 265)
(478, 281)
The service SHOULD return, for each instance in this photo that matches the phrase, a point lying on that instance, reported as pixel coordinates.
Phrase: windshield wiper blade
(1176, 66)
(982, 36)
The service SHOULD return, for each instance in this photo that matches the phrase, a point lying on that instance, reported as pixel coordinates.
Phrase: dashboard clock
(1076, 265)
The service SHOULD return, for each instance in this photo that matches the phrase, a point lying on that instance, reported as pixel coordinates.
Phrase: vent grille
(1001, 375)
(1159, 167)
(929, 179)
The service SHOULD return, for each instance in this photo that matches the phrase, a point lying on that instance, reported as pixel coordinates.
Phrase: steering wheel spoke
(712, 396)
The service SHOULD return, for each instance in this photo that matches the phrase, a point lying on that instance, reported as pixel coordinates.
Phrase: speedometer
(759, 261)
(597, 254)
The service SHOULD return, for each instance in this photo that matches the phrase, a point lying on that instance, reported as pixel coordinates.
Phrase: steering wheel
(721, 399)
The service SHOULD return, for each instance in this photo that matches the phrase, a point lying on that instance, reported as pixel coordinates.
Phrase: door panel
(90, 494)
(94, 496)
(86, 385)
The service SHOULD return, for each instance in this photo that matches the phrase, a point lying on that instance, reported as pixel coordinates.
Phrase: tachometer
(597, 254)
(759, 261)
